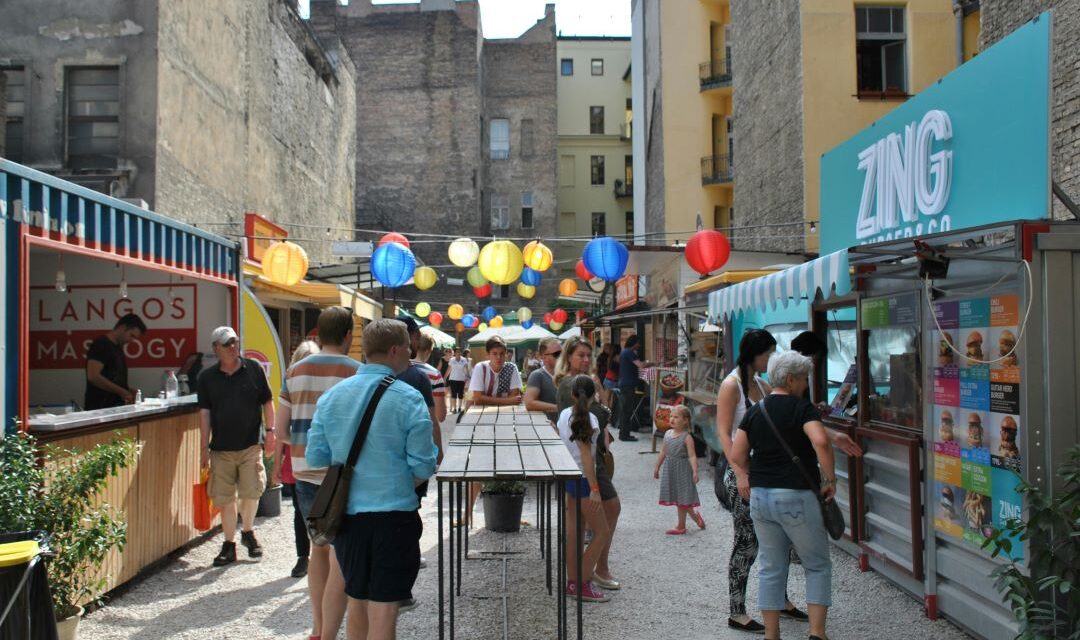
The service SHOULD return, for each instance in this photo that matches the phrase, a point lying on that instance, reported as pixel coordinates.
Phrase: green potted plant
(503, 502)
(58, 491)
(1044, 598)
(270, 500)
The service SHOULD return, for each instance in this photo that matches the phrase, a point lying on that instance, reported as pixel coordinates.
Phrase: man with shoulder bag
(375, 434)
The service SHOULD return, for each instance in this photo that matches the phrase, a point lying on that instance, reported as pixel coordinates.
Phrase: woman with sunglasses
(540, 391)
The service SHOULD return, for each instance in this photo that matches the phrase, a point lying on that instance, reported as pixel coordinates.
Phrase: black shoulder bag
(830, 511)
(328, 509)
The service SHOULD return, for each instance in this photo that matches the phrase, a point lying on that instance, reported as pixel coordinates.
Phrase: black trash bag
(31, 615)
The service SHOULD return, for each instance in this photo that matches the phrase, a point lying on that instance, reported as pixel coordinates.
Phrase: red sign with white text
(63, 324)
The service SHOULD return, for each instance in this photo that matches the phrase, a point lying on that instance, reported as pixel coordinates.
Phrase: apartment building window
(526, 210)
(93, 117)
(721, 218)
(567, 167)
(629, 225)
(526, 138)
(628, 170)
(566, 66)
(598, 66)
(500, 291)
(596, 120)
(881, 56)
(500, 211)
(15, 113)
(597, 167)
(500, 138)
(599, 225)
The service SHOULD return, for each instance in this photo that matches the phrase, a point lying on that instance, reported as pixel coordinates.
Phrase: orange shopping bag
(202, 505)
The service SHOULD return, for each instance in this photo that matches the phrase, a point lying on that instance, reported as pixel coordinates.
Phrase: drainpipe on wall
(958, 13)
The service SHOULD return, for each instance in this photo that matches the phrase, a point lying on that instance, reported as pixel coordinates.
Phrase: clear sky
(509, 18)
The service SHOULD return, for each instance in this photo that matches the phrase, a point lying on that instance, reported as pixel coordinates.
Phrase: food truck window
(895, 390)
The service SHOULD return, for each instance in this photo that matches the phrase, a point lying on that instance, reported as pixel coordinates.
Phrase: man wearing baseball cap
(234, 401)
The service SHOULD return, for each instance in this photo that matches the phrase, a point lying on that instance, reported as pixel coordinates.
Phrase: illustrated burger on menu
(1006, 345)
(974, 345)
(944, 351)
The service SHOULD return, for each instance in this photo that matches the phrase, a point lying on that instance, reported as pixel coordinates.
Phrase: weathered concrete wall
(48, 37)
(653, 112)
(768, 101)
(999, 19)
(251, 119)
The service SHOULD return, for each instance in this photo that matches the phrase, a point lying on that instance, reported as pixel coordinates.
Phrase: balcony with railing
(624, 189)
(716, 170)
(714, 74)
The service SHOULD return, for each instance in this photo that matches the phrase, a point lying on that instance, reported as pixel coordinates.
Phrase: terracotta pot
(67, 629)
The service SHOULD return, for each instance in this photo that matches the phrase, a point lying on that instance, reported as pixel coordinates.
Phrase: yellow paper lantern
(455, 312)
(496, 322)
(524, 314)
(285, 263)
(555, 326)
(526, 291)
(463, 252)
(425, 278)
(482, 327)
(567, 287)
(537, 256)
(423, 309)
(500, 262)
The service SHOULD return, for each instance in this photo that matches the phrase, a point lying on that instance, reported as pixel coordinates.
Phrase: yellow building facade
(594, 128)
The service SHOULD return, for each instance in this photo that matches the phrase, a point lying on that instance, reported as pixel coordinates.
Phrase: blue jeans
(784, 518)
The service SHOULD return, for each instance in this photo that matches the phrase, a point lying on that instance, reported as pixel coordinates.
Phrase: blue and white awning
(828, 274)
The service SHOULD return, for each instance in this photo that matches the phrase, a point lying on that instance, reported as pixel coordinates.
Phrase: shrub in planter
(57, 491)
(503, 501)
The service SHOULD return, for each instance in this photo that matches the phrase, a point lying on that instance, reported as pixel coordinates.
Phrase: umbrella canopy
(572, 332)
(441, 340)
(535, 332)
(506, 333)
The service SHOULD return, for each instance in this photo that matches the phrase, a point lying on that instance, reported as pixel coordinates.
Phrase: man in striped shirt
(305, 382)
(425, 345)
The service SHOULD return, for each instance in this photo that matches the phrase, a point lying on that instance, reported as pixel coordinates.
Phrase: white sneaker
(423, 562)
(407, 605)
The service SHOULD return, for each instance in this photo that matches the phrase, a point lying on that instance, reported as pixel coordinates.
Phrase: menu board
(976, 417)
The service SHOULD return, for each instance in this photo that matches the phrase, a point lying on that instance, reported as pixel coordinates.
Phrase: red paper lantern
(547, 318)
(580, 313)
(582, 271)
(707, 251)
(394, 237)
(482, 292)
(559, 315)
(435, 318)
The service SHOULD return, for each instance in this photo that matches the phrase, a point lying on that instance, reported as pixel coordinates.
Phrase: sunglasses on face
(554, 354)
(228, 344)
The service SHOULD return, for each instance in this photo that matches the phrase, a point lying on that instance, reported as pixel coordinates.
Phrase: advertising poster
(976, 417)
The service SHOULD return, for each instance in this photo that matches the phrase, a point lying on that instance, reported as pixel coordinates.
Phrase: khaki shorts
(236, 473)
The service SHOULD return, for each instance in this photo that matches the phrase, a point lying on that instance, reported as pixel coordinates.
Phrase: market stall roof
(829, 274)
(574, 332)
(324, 294)
(441, 339)
(512, 335)
(727, 277)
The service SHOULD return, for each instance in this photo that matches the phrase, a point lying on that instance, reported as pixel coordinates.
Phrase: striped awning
(828, 274)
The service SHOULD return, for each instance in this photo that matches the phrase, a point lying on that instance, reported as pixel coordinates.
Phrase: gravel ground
(672, 586)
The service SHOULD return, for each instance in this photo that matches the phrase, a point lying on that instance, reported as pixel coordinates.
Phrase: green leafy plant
(57, 491)
(504, 487)
(1046, 598)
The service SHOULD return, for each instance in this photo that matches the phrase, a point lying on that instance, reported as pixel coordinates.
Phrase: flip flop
(675, 531)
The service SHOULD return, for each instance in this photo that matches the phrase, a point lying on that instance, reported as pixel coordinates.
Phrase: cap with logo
(221, 335)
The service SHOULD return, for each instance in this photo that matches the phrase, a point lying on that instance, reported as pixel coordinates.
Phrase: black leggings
(303, 544)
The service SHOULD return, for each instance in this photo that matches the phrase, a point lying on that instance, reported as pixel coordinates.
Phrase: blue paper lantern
(525, 324)
(606, 258)
(530, 277)
(469, 320)
(490, 313)
(392, 264)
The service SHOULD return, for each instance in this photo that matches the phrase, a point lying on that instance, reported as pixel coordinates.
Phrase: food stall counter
(49, 422)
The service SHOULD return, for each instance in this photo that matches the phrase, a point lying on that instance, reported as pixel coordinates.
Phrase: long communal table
(505, 443)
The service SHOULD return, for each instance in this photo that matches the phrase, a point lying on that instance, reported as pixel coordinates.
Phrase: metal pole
(453, 510)
(561, 543)
(463, 487)
(577, 550)
(442, 559)
(547, 508)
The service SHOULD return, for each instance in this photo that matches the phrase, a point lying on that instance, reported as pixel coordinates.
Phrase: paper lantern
(559, 315)
(537, 256)
(580, 313)
(707, 250)
(459, 327)
(455, 312)
(481, 327)
(526, 291)
(555, 326)
(394, 237)
(463, 252)
(496, 322)
(606, 257)
(524, 314)
(567, 287)
(500, 261)
(469, 320)
(582, 271)
(475, 277)
(435, 318)
(423, 309)
(425, 278)
(392, 264)
(285, 263)
(526, 324)
(489, 313)
(482, 292)
(547, 318)
(530, 277)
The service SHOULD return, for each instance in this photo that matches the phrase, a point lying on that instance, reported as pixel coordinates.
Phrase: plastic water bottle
(172, 386)
(138, 396)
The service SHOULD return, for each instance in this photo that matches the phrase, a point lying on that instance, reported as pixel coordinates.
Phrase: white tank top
(740, 407)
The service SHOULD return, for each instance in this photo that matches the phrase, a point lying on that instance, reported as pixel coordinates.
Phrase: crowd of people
(365, 578)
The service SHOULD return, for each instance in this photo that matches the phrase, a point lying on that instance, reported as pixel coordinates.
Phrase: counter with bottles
(46, 423)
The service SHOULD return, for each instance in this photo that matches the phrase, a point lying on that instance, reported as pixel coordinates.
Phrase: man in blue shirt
(629, 363)
(378, 546)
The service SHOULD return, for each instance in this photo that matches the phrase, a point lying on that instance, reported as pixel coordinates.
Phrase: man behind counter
(106, 365)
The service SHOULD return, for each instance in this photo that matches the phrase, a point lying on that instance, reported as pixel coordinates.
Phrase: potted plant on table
(503, 502)
(58, 491)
